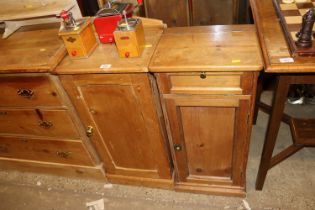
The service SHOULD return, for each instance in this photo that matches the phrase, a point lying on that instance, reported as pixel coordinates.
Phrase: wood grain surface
(18, 9)
(273, 43)
(207, 48)
(172, 12)
(67, 152)
(121, 109)
(105, 58)
(41, 88)
(32, 49)
(212, 12)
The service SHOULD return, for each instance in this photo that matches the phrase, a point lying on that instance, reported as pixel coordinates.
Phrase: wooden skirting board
(96, 172)
(140, 181)
(211, 190)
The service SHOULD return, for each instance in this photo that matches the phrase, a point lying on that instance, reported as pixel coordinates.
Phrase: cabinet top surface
(208, 48)
(105, 58)
(273, 42)
(31, 49)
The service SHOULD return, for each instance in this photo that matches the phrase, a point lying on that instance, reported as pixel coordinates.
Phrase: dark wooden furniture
(197, 12)
(299, 71)
(207, 85)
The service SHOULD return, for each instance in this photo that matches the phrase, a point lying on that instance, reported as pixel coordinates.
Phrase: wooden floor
(289, 185)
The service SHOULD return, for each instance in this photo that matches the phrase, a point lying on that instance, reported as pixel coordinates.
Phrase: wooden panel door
(209, 137)
(214, 12)
(173, 12)
(127, 130)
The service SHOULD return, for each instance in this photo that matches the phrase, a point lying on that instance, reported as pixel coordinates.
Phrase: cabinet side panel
(208, 133)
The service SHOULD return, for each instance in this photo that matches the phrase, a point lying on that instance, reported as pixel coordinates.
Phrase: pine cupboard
(207, 90)
(125, 117)
(120, 106)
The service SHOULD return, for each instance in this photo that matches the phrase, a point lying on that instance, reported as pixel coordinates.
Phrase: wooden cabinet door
(125, 121)
(209, 137)
(214, 12)
(173, 12)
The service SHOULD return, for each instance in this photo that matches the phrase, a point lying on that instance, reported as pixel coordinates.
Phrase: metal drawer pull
(26, 93)
(3, 113)
(178, 147)
(45, 124)
(63, 154)
(89, 131)
(203, 75)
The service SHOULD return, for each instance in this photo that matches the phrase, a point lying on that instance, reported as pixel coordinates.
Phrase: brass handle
(45, 124)
(89, 131)
(63, 154)
(26, 93)
(203, 75)
(4, 113)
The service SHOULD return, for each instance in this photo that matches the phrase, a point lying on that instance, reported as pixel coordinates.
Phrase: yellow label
(236, 61)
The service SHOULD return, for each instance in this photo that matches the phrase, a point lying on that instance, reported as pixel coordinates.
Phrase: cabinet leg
(278, 103)
(258, 95)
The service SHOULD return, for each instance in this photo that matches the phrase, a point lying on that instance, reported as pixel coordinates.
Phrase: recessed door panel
(126, 130)
(208, 134)
(116, 112)
(208, 137)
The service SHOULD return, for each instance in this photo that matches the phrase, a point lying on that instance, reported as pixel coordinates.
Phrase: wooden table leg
(278, 103)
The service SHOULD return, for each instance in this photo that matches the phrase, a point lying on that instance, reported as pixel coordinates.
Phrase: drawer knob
(203, 75)
(45, 124)
(89, 131)
(26, 93)
(63, 154)
(178, 147)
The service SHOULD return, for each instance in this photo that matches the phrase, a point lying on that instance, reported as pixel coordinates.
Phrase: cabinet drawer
(68, 152)
(200, 83)
(49, 123)
(21, 91)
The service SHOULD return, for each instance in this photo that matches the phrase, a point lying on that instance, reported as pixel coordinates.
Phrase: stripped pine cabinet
(39, 128)
(207, 89)
(127, 130)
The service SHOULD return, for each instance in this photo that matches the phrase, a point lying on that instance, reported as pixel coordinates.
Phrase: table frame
(276, 111)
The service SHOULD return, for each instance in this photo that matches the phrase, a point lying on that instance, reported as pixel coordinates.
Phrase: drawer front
(200, 83)
(24, 91)
(68, 152)
(48, 123)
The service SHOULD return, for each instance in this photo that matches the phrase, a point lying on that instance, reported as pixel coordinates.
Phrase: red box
(105, 26)
(106, 21)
